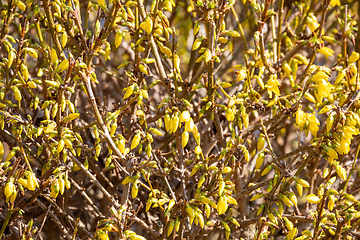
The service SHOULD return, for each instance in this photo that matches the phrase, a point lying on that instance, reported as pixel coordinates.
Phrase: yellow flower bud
(326, 51)
(17, 94)
(341, 172)
(230, 114)
(113, 129)
(259, 160)
(299, 189)
(31, 181)
(166, 51)
(24, 71)
(32, 52)
(63, 65)
(167, 120)
(286, 200)
(23, 182)
(129, 91)
(61, 182)
(312, 198)
(231, 200)
(207, 55)
(118, 38)
(9, 188)
(257, 196)
(200, 219)
(226, 170)
(300, 118)
(185, 116)
(184, 138)
(189, 125)
(143, 69)
(21, 5)
(170, 227)
(201, 181)
(134, 190)
(331, 202)
(289, 225)
(291, 234)
(11, 155)
(54, 189)
(272, 218)
(60, 145)
(266, 170)
(222, 205)
(174, 123)
(136, 140)
(63, 39)
(197, 43)
(54, 57)
(221, 186)
(245, 118)
(11, 56)
(177, 225)
(207, 210)
(190, 211)
(261, 142)
(71, 117)
(303, 182)
(156, 131)
(331, 153)
(246, 155)
(121, 145)
(310, 97)
(292, 198)
(197, 150)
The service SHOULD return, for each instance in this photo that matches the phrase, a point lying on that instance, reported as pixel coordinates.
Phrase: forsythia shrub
(164, 119)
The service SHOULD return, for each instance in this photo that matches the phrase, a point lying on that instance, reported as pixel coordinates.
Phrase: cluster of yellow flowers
(173, 122)
(28, 182)
(323, 87)
(231, 112)
(307, 121)
(58, 186)
(345, 137)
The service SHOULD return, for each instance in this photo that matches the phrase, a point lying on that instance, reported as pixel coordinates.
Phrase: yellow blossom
(197, 150)
(312, 22)
(313, 123)
(241, 74)
(345, 141)
(344, 147)
(319, 76)
(300, 118)
(331, 202)
(291, 233)
(332, 153)
(323, 90)
(335, 3)
(222, 205)
(341, 172)
(326, 51)
(353, 57)
(272, 86)
(230, 114)
(350, 130)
